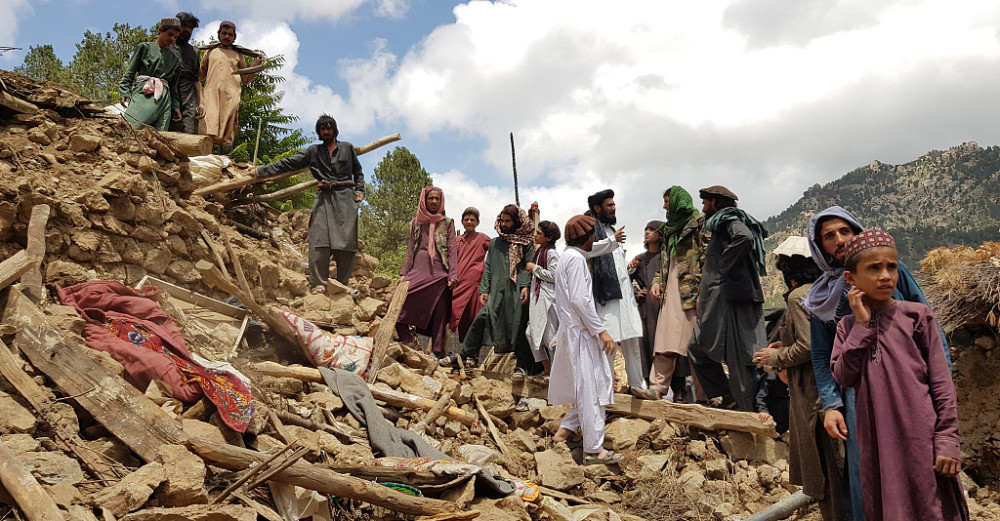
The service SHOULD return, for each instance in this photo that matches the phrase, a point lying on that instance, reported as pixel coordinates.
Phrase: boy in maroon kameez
(891, 353)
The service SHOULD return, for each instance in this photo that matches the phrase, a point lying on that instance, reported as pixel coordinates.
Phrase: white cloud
(395, 9)
(286, 10)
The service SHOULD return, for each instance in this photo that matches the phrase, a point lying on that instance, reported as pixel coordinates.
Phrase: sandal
(611, 458)
(448, 361)
(645, 394)
(519, 374)
(471, 362)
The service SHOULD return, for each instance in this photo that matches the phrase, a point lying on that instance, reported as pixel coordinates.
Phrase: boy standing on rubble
(891, 353)
(148, 89)
(333, 224)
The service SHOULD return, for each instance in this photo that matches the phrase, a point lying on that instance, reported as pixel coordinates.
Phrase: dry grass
(965, 284)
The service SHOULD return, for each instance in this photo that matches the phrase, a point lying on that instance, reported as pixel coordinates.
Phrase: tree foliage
(391, 197)
(41, 63)
(100, 60)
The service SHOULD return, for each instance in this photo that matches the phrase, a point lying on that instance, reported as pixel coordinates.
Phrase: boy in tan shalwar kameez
(223, 88)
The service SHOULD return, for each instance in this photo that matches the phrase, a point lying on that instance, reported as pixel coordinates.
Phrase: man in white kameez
(581, 374)
(613, 287)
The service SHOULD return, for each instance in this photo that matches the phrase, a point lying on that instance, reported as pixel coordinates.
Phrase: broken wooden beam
(699, 416)
(394, 398)
(17, 104)
(65, 431)
(32, 279)
(189, 144)
(320, 479)
(14, 266)
(385, 329)
(121, 408)
(31, 498)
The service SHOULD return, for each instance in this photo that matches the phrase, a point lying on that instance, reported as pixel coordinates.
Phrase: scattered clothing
(129, 325)
(349, 353)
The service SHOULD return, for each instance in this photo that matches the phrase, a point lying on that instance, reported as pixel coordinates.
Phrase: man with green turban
(682, 254)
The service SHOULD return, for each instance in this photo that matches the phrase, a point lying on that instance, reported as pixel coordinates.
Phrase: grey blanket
(384, 437)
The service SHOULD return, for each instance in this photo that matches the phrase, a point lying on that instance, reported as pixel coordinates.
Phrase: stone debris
(122, 209)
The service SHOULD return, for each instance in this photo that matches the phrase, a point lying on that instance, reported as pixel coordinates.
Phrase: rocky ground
(122, 209)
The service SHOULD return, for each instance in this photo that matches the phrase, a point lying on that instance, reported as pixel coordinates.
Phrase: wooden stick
(66, 432)
(280, 428)
(492, 427)
(248, 475)
(276, 195)
(17, 104)
(123, 410)
(321, 480)
(284, 464)
(385, 329)
(294, 419)
(32, 280)
(241, 276)
(33, 500)
(394, 398)
(428, 420)
(279, 325)
(562, 495)
(15, 266)
(382, 141)
(256, 145)
(215, 253)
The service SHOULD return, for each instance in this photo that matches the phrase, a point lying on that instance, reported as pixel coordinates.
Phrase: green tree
(100, 60)
(41, 63)
(391, 202)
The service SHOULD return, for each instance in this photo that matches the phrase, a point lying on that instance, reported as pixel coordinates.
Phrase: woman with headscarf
(503, 292)
(675, 286)
(431, 267)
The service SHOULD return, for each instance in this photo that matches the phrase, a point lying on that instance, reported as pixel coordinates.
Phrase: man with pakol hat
(730, 301)
(148, 89)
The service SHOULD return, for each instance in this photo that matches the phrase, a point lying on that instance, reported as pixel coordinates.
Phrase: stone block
(14, 417)
(624, 433)
(743, 445)
(50, 468)
(185, 473)
(556, 469)
(132, 491)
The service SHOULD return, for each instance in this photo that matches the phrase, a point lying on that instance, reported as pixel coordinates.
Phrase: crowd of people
(170, 85)
(857, 372)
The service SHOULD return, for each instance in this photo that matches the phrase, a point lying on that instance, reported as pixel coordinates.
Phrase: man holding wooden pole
(333, 225)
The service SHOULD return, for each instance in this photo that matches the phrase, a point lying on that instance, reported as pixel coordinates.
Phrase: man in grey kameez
(333, 225)
(730, 313)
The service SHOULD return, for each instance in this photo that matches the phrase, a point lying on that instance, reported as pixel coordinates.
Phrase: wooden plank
(29, 495)
(215, 252)
(189, 144)
(492, 428)
(14, 266)
(32, 279)
(695, 415)
(123, 410)
(321, 480)
(241, 276)
(385, 329)
(66, 432)
(394, 398)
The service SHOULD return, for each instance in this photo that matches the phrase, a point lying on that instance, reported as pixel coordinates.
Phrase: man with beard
(730, 301)
(223, 88)
(333, 224)
(612, 288)
(188, 85)
(503, 292)
(829, 232)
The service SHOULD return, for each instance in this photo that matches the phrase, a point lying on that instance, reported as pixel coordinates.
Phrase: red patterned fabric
(120, 318)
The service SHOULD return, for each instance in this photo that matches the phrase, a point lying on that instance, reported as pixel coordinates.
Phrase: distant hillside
(944, 198)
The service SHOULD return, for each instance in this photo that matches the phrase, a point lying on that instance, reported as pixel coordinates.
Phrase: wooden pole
(695, 415)
(393, 398)
(513, 160)
(189, 144)
(14, 266)
(32, 279)
(33, 500)
(240, 182)
(256, 145)
(321, 480)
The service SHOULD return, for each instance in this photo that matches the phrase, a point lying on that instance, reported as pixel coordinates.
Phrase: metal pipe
(783, 508)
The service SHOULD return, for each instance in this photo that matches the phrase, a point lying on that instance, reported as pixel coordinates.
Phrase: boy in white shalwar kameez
(581, 373)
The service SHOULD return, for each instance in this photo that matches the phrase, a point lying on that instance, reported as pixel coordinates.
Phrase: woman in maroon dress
(431, 267)
(472, 247)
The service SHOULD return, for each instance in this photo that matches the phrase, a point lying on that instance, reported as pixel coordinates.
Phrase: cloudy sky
(767, 97)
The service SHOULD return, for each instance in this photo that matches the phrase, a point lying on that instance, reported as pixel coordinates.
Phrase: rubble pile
(78, 442)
